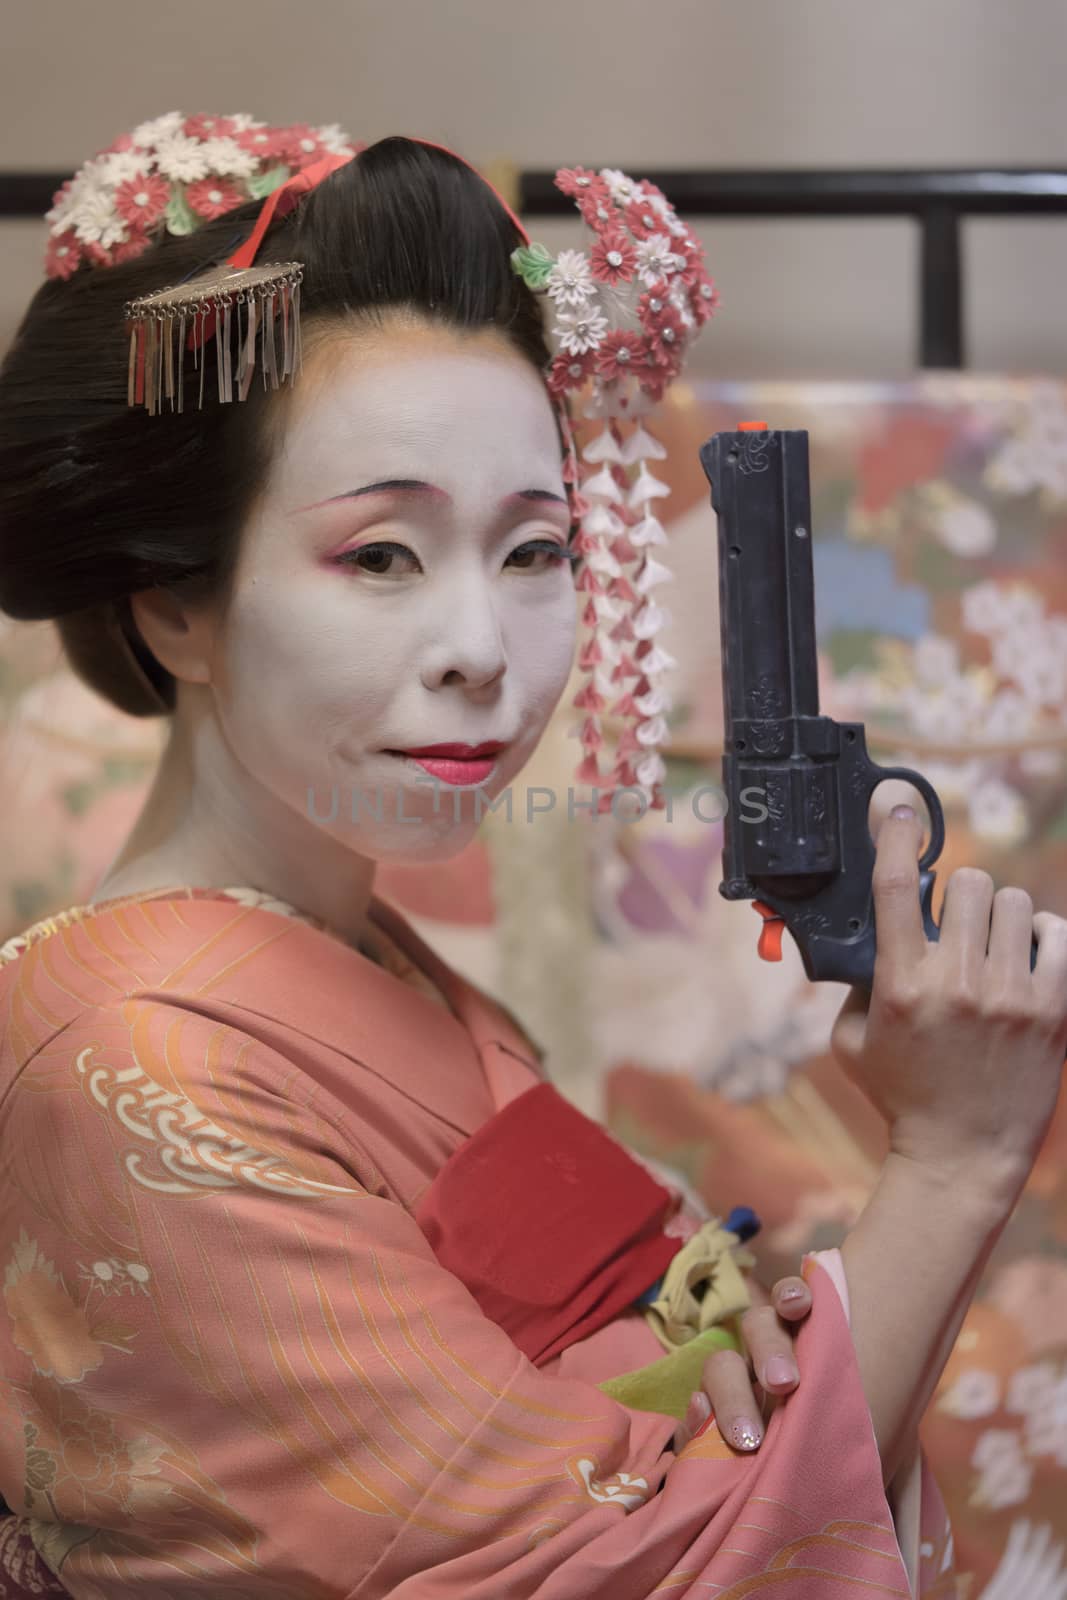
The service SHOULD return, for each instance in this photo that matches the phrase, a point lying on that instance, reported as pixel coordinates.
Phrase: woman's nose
(468, 652)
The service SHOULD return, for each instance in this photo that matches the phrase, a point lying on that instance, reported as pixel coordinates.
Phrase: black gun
(807, 861)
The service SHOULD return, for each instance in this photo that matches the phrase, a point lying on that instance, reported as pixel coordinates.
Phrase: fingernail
(905, 813)
(789, 1297)
(699, 1410)
(780, 1369)
(745, 1435)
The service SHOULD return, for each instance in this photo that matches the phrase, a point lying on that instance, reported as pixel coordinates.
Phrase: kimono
(280, 1321)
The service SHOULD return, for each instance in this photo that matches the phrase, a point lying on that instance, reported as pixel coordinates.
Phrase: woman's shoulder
(205, 984)
(151, 908)
(91, 957)
(179, 971)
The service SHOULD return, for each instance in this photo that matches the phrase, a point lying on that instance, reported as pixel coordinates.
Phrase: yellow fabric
(713, 1257)
(687, 1325)
(667, 1385)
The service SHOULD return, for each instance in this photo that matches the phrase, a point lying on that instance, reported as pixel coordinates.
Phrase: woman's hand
(960, 1046)
(728, 1390)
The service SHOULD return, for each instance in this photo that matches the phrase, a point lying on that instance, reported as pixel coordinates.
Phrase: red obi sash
(552, 1226)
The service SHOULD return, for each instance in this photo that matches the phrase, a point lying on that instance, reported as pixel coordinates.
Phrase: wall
(626, 84)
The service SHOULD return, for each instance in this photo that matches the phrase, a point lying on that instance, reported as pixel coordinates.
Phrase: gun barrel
(776, 747)
(762, 495)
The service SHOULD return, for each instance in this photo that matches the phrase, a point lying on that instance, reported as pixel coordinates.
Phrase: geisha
(313, 1284)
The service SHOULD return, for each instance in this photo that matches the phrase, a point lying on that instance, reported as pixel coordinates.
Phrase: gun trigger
(770, 939)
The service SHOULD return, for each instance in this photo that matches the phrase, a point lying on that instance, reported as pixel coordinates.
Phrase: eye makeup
(348, 546)
(550, 547)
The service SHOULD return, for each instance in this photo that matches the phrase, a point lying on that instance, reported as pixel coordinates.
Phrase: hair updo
(99, 500)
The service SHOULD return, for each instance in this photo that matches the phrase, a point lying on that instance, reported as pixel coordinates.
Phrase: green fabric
(265, 183)
(180, 216)
(533, 264)
(667, 1386)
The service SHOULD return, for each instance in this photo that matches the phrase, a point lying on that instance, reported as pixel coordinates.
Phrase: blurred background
(940, 520)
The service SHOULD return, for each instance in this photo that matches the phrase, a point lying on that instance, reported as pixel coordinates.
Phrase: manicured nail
(789, 1297)
(780, 1369)
(699, 1410)
(905, 813)
(696, 1418)
(745, 1435)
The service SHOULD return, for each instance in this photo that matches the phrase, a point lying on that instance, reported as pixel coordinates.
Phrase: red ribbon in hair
(282, 200)
(278, 203)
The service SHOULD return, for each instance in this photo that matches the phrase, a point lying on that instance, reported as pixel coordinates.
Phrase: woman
(281, 1318)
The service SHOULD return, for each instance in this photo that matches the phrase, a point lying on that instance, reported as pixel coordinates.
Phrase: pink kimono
(231, 1364)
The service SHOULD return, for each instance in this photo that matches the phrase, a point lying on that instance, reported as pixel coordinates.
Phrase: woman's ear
(180, 636)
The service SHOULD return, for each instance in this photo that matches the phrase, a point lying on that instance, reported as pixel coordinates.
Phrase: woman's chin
(413, 820)
(424, 828)
(439, 839)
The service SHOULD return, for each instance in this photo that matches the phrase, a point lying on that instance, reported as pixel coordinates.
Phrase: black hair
(99, 500)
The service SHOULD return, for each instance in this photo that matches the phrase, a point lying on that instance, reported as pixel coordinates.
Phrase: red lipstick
(458, 752)
(458, 764)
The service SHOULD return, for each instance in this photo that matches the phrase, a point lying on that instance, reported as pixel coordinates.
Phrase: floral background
(940, 550)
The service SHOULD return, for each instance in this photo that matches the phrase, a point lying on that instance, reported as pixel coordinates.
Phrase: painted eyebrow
(416, 486)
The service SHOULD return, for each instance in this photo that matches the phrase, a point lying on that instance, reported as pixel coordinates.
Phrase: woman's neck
(205, 825)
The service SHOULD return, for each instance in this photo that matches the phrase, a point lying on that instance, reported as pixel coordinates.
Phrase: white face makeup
(335, 651)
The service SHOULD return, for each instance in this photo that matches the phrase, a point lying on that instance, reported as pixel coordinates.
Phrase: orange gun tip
(752, 427)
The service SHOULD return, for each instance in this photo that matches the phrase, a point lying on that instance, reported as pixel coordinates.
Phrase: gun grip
(858, 968)
(926, 895)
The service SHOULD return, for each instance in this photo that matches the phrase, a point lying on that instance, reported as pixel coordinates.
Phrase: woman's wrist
(912, 1261)
(986, 1183)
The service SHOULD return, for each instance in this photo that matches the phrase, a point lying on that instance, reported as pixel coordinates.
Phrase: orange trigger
(770, 939)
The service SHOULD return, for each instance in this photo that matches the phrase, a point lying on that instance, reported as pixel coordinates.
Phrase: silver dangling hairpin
(210, 304)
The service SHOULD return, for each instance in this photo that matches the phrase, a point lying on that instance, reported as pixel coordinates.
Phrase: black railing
(937, 200)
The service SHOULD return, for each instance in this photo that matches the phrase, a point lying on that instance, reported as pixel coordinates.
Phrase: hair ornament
(624, 315)
(249, 300)
(626, 312)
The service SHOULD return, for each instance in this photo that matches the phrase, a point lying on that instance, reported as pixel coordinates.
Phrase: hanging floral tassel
(616, 529)
(603, 496)
(625, 313)
(645, 730)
